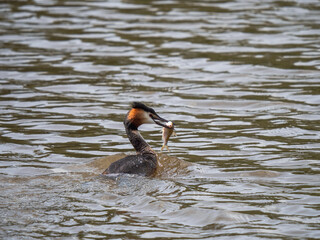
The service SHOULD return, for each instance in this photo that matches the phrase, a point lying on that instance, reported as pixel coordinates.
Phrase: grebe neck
(137, 141)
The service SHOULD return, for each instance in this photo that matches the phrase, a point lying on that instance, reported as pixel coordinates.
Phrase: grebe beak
(160, 121)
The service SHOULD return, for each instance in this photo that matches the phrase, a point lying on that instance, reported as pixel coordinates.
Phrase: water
(240, 79)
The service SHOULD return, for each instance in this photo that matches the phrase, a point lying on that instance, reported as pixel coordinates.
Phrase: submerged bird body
(139, 164)
(145, 162)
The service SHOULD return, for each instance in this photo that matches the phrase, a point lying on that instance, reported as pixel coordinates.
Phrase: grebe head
(140, 114)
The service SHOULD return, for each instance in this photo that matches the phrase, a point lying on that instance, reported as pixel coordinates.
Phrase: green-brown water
(240, 79)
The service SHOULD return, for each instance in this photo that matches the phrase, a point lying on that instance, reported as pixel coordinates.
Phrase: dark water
(240, 79)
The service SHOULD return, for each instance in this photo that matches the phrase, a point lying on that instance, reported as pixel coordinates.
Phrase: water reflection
(239, 79)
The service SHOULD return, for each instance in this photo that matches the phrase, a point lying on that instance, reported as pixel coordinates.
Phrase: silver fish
(166, 133)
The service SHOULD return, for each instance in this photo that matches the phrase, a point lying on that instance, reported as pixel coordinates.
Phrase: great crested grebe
(145, 162)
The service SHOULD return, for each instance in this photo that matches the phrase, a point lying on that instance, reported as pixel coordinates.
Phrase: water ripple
(239, 79)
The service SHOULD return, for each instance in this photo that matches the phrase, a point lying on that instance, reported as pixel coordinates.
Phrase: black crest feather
(142, 106)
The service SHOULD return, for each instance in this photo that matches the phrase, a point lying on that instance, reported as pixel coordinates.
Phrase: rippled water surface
(240, 79)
